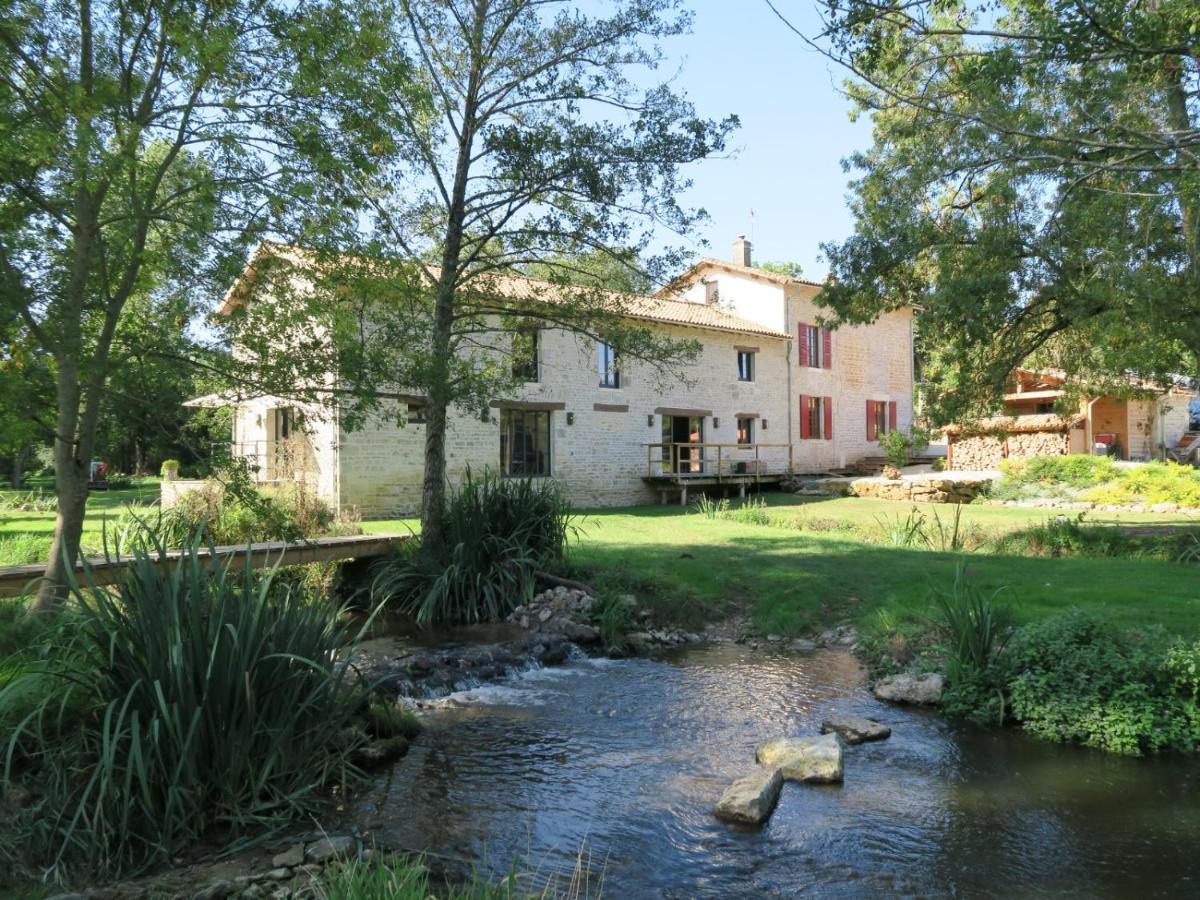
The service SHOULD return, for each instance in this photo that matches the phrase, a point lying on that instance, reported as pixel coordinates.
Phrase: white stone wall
(601, 459)
(870, 362)
(1173, 424)
(748, 296)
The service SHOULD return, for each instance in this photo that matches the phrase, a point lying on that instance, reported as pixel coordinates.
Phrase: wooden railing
(99, 571)
(699, 460)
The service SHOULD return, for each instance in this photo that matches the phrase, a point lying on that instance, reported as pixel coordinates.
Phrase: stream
(619, 762)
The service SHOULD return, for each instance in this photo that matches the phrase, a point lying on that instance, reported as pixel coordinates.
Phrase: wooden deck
(18, 580)
(675, 467)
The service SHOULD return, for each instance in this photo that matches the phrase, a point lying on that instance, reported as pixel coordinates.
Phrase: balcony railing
(697, 460)
(270, 461)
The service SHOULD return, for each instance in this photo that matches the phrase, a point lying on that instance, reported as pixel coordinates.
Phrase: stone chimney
(741, 251)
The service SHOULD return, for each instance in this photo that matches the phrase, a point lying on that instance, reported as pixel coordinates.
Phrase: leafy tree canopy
(1034, 184)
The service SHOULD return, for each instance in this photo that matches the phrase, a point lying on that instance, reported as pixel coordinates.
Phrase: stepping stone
(856, 729)
(751, 799)
(810, 760)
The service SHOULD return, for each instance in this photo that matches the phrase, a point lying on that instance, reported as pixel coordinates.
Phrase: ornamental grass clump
(977, 629)
(186, 703)
(498, 532)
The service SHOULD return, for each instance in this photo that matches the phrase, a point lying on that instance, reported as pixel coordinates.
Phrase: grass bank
(813, 564)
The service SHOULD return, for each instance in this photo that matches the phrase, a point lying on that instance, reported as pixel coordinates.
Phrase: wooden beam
(16, 581)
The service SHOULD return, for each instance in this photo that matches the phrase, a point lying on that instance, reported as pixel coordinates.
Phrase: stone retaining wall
(920, 490)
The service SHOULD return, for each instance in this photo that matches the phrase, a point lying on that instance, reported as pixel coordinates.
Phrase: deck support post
(683, 495)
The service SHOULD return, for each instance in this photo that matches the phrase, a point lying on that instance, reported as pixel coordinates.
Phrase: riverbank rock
(290, 858)
(812, 760)
(328, 848)
(378, 753)
(557, 611)
(802, 645)
(843, 637)
(751, 799)
(423, 675)
(856, 729)
(919, 690)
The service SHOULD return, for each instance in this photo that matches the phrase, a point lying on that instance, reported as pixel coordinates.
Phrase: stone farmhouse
(1153, 421)
(771, 394)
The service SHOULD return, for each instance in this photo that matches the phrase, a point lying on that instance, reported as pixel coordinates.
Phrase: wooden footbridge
(16, 581)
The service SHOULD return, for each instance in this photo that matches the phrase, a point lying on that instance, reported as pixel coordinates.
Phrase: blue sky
(795, 130)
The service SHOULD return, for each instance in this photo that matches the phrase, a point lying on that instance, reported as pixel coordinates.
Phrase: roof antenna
(752, 224)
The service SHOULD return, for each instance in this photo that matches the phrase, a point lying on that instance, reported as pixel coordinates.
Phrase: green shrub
(187, 703)
(1074, 678)
(1064, 536)
(897, 447)
(401, 878)
(1075, 470)
(752, 511)
(28, 501)
(1156, 482)
(388, 719)
(1067, 536)
(497, 533)
(118, 481)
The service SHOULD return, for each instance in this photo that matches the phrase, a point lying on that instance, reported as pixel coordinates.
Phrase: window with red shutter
(804, 431)
(892, 416)
(826, 348)
(870, 420)
(827, 402)
(802, 339)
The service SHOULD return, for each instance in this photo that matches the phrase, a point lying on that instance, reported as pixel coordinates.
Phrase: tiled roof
(683, 280)
(515, 288)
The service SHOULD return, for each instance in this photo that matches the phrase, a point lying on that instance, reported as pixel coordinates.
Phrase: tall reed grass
(498, 533)
(186, 703)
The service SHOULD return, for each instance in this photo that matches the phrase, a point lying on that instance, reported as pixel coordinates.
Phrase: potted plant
(169, 470)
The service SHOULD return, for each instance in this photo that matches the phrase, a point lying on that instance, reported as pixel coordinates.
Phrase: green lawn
(32, 531)
(791, 578)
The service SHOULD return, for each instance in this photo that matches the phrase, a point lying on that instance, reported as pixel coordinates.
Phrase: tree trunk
(433, 488)
(72, 464)
(18, 468)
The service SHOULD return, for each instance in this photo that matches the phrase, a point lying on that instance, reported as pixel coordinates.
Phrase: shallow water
(625, 760)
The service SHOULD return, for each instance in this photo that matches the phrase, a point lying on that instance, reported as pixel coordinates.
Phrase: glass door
(681, 437)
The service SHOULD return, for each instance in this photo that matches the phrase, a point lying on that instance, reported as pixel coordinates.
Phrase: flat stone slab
(921, 690)
(810, 760)
(856, 729)
(751, 799)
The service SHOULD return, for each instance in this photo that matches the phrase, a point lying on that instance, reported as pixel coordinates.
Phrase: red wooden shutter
(803, 354)
(870, 420)
(804, 429)
(828, 401)
(892, 415)
(826, 348)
